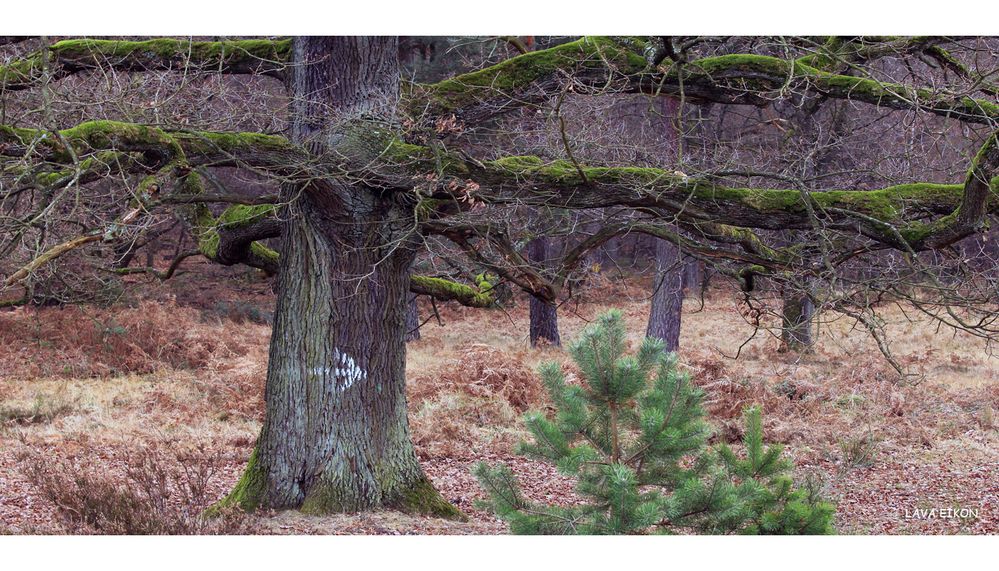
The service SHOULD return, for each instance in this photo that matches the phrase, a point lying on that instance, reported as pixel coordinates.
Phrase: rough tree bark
(692, 274)
(544, 315)
(335, 436)
(796, 328)
(412, 319)
(667, 296)
(797, 314)
(671, 266)
(822, 155)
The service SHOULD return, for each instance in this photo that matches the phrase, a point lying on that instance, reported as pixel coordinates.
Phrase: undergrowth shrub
(639, 452)
(163, 492)
(485, 372)
(471, 403)
(238, 311)
(457, 425)
(859, 450)
(97, 342)
(42, 410)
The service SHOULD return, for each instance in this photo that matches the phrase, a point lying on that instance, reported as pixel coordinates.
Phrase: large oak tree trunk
(544, 315)
(335, 435)
(667, 296)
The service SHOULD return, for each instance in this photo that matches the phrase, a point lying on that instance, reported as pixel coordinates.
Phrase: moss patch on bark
(422, 498)
(249, 492)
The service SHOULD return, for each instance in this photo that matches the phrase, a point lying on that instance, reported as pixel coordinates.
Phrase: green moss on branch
(515, 74)
(729, 78)
(268, 57)
(887, 204)
(95, 136)
(208, 143)
(211, 53)
(241, 215)
(447, 290)
(199, 147)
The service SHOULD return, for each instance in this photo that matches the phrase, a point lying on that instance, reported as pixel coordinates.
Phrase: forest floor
(163, 393)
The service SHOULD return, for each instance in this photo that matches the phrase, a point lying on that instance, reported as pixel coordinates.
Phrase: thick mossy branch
(448, 290)
(533, 181)
(980, 197)
(158, 146)
(885, 214)
(207, 53)
(241, 215)
(524, 179)
(266, 57)
(591, 58)
(724, 213)
(87, 138)
(618, 65)
(233, 237)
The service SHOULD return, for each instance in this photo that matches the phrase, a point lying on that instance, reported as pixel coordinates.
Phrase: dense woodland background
(149, 189)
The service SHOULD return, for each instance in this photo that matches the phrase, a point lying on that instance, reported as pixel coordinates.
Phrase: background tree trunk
(544, 315)
(667, 296)
(692, 274)
(412, 319)
(796, 330)
(335, 435)
(671, 266)
(797, 312)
